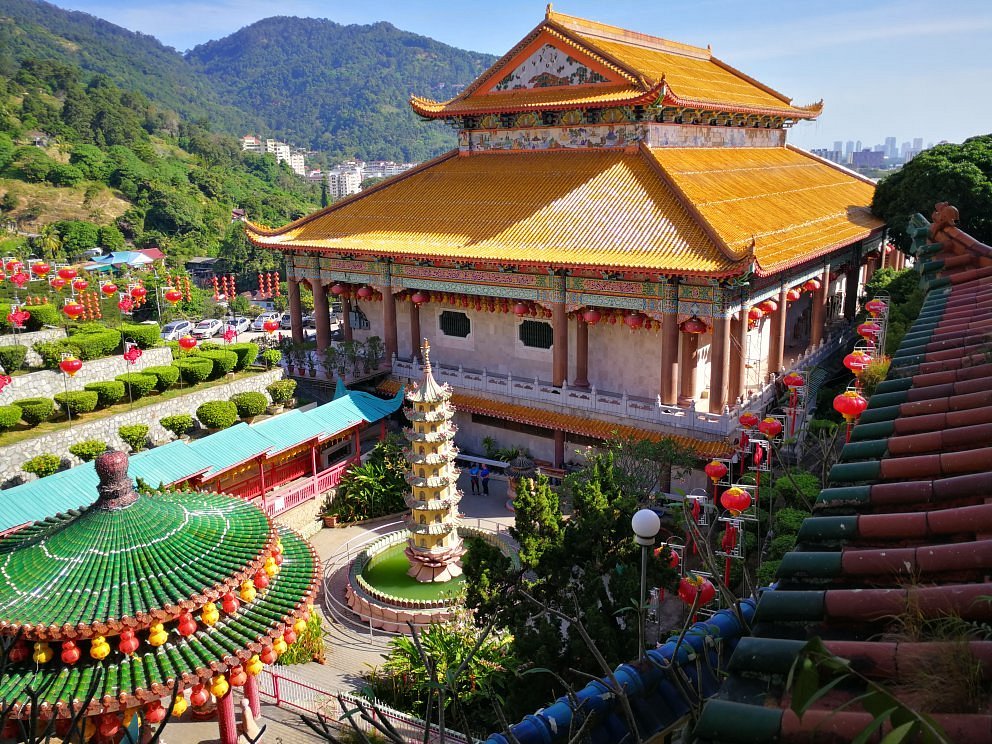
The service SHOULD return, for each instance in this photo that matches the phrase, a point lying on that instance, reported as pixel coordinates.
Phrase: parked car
(240, 324)
(259, 324)
(286, 321)
(208, 328)
(310, 321)
(176, 330)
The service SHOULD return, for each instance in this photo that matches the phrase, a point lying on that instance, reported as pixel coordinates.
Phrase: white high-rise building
(280, 149)
(297, 162)
(344, 180)
(251, 143)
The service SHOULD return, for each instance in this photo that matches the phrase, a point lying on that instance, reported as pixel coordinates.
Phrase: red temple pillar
(225, 718)
(581, 354)
(356, 442)
(382, 430)
(719, 364)
(346, 318)
(415, 329)
(322, 314)
(251, 695)
(559, 449)
(669, 358)
(738, 354)
(261, 474)
(687, 368)
(313, 461)
(295, 310)
(818, 315)
(776, 347)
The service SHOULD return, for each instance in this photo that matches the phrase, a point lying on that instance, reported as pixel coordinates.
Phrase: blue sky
(904, 69)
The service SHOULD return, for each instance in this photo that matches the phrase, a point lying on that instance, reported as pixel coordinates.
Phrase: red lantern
(715, 470)
(735, 500)
(230, 604)
(793, 380)
(770, 427)
(70, 652)
(12, 266)
(57, 283)
(755, 314)
(338, 289)
(768, 306)
(592, 316)
(109, 724)
(128, 643)
(748, 420)
(132, 354)
(691, 587)
(198, 696)
(73, 310)
(187, 342)
(869, 331)
(759, 454)
(19, 279)
(520, 309)
(40, 269)
(856, 361)
(850, 404)
(634, 321)
(419, 298)
(138, 293)
(268, 655)
(126, 304)
(80, 285)
(811, 286)
(693, 325)
(270, 326)
(108, 289)
(154, 712)
(876, 307)
(173, 295)
(793, 294)
(673, 557)
(68, 274)
(365, 292)
(261, 580)
(70, 366)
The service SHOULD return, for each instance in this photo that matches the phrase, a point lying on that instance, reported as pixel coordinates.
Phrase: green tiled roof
(149, 674)
(228, 447)
(101, 564)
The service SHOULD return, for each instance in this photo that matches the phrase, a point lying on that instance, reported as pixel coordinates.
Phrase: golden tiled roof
(581, 425)
(688, 76)
(597, 208)
(789, 203)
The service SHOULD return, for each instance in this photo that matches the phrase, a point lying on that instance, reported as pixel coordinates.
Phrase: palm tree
(50, 241)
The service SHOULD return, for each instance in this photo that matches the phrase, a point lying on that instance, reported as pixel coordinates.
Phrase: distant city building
(297, 162)
(838, 146)
(384, 168)
(918, 144)
(848, 149)
(251, 143)
(344, 180)
(868, 159)
(833, 156)
(890, 147)
(316, 176)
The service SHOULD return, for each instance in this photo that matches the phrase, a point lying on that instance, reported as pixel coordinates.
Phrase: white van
(259, 324)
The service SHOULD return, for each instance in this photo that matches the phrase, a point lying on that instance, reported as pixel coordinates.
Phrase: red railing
(283, 500)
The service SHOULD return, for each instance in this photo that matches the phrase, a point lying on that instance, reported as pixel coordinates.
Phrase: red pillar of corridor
(818, 316)
(776, 346)
(559, 325)
(295, 310)
(719, 364)
(322, 315)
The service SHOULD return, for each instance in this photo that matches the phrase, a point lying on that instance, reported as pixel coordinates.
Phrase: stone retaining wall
(105, 429)
(304, 518)
(47, 383)
(29, 340)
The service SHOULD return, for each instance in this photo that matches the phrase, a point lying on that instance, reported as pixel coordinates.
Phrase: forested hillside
(123, 168)
(342, 89)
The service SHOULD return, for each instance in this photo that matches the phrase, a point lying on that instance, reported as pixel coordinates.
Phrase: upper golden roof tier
(568, 62)
(680, 211)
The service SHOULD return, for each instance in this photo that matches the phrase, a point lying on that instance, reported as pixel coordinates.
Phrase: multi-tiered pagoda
(434, 546)
(623, 240)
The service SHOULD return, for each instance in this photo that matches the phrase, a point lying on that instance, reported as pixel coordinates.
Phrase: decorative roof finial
(547, 11)
(115, 489)
(425, 350)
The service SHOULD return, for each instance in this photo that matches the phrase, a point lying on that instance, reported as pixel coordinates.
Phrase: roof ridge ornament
(115, 489)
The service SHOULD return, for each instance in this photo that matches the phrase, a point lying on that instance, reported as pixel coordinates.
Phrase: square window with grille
(455, 324)
(536, 334)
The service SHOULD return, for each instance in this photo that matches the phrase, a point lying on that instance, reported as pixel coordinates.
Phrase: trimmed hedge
(77, 401)
(165, 375)
(88, 449)
(146, 336)
(95, 341)
(281, 391)
(223, 361)
(217, 414)
(138, 383)
(108, 393)
(43, 465)
(271, 357)
(135, 436)
(41, 316)
(12, 357)
(247, 354)
(35, 410)
(51, 352)
(179, 424)
(249, 404)
(193, 369)
(10, 416)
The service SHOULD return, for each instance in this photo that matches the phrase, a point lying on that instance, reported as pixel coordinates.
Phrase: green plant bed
(389, 576)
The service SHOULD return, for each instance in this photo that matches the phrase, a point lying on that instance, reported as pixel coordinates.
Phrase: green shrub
(135, 436)
(281, 391)
(77, 401)
(223, 361)
(270, 357)
(43, 315)
(179, 424)
(36, 410)
(165, 375)
(95, 341)
(781, 545)
(819, 426)
(43, 465)
(10, 416)
(193, 369)
(51, 352)
(146, 336)
(766, 572)
(109, 392)
(12, 357)
(800, 490)
(88, 449)
(217, 414)
(249, 404)
(309, 644)
(138, 384)
(788, 521)
(247, 354)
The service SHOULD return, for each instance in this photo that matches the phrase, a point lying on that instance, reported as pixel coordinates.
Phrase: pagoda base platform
(425, 573)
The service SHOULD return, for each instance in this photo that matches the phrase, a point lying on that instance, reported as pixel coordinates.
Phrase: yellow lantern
(219, 686)
(270, 566)
(209, 615)
(99, 648)
(42, 653)
(157, 635)
(300, 625)
(247, 591)
(279, 646)
(254, 666)
(179, 707)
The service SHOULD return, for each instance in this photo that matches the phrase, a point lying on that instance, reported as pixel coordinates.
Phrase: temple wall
(622, 360)
(470, 436)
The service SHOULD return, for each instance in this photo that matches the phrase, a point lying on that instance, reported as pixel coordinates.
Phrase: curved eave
(153, 673)
(777, 268)
(790, 112)
(430, 109)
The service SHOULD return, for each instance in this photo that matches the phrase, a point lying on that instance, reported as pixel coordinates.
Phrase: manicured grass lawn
(60, 422)
(389, 576)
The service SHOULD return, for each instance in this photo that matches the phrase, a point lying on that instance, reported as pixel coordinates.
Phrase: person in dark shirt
(484, 477)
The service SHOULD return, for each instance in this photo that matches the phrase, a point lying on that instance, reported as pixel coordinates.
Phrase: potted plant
(330, 360)
(327, 512)
(311, 358)
(281, 392)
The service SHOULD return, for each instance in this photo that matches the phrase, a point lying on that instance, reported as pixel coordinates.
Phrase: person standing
(484, 477)
(473, 477)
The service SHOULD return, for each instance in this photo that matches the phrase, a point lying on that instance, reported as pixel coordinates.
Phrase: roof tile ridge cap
(835, 166)
(590, 47)
(628, 36)
(767, 88)
(367, 192)
(691, 208)
(967, 241)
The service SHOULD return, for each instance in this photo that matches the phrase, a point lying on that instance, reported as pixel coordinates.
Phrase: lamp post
(646, 525)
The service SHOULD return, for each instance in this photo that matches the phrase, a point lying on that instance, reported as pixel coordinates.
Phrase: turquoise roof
(178, 460)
